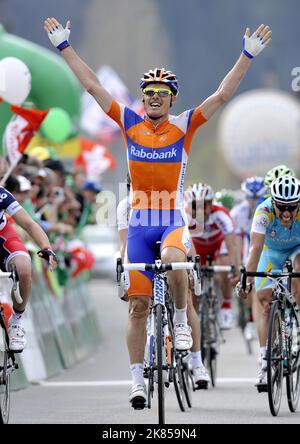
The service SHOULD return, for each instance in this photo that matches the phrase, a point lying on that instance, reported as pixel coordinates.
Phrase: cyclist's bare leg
(138, 312)
(296, 282)
(225, 283)
(193, 321)
(23, 265)
(178, 279)
(261, 311)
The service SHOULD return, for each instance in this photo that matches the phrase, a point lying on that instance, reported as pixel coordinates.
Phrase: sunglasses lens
(160, 92)
(163, 93)
(289, 208)
(149, 92)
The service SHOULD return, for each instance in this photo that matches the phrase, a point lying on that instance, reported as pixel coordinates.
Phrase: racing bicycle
(7, 358)
(283, 344)
(164, 363)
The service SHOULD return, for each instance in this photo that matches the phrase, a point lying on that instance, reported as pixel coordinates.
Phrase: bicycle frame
(160, 334)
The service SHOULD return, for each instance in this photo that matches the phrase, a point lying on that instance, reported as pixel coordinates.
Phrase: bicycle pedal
(138, 403)
(202, 385)
(262, 388)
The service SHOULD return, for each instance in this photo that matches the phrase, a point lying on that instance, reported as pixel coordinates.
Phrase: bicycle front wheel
(4, 380)
(178, 385)
(160, 363)
(275, 359)
(293, 377)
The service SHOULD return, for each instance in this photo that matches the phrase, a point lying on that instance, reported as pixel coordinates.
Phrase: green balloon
(57, 125)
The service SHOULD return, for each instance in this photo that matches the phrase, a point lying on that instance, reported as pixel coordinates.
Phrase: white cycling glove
(253, 45)
(59, 37)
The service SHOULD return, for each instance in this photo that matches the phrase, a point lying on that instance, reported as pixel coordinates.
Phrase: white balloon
(259, 130)
(15, 80)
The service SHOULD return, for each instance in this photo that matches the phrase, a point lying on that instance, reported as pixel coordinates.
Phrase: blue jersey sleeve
(8, 203)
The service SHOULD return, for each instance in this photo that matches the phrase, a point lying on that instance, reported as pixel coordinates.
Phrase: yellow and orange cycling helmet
(160, 75)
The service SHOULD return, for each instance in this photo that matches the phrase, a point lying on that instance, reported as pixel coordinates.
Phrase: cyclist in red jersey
(157, 151)
(212, 231)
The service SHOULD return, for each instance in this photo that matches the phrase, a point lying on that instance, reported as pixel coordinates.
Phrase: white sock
(180, 316)
(15, 317)
(263, 351)
(137, 373)
(196, 359)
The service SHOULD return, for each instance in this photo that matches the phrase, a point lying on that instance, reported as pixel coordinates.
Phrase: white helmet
(286, 189)
(202, 191)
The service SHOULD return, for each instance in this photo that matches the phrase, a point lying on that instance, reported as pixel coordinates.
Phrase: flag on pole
(20, 130)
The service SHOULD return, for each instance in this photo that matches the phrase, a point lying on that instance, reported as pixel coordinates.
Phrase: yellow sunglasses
(162, 92)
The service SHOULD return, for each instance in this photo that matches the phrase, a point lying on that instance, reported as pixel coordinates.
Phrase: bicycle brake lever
(119, 269)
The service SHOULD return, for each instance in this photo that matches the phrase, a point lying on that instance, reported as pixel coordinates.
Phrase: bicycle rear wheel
(275, 359)
(4, 379)
(160, 352)
(293, 378)
(209, 338)
(187, 382)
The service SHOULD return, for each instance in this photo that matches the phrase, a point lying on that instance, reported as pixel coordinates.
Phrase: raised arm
(59, 37)
(252, 46)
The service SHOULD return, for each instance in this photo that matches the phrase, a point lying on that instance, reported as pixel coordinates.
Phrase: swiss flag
(94, 158)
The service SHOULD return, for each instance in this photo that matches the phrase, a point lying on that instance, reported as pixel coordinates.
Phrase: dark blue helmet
(254, 187)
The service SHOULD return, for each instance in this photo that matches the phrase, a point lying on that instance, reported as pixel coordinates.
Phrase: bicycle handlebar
(219, 268)
(273, 274)
(158, 267)
(5, 275)
(13, 275)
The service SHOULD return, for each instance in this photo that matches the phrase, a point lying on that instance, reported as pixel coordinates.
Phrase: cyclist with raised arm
(210, 225)
(275, 237)
(14, 253)
(157, 146)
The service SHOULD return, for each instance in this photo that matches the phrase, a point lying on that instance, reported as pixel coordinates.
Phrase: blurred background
(200, 42)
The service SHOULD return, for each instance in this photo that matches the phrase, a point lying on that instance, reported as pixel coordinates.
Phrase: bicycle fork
(159, 299)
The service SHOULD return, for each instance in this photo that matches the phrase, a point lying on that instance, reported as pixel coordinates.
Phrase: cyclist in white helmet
(209, 226)
(275, 237)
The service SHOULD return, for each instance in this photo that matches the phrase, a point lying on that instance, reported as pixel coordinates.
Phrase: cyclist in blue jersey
(275, 237)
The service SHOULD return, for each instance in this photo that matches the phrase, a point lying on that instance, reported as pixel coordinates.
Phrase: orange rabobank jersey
(157, 156)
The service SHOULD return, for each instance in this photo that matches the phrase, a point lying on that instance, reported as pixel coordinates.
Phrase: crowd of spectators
(61, 201)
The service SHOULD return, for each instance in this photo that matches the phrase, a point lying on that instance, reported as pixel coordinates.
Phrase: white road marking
(119, 383)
